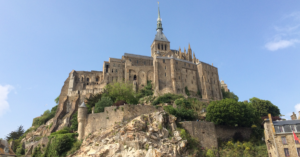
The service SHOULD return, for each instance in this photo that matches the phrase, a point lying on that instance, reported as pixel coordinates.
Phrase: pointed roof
(160, 35)
(82, 105)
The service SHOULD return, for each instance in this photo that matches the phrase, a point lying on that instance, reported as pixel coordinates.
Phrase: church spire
(159, 24)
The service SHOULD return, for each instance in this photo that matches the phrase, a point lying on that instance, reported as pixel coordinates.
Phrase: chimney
(293, 116)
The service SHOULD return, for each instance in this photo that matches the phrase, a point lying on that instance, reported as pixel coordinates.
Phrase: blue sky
(254, 44)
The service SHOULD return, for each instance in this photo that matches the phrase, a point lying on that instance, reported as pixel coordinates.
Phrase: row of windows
(137, 61)
(88, 79)
(284, 141)
(287, 153)
(162, 46)
(287, 128)
(115, 65)
(164, 61)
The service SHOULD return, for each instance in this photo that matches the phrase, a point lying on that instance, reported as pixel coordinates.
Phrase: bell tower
(161, 44)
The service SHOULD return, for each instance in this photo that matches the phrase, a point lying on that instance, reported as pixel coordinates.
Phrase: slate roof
(286, 122)
(160, 36)
(82, 105)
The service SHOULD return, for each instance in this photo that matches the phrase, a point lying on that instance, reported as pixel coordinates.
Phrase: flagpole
(295, 143)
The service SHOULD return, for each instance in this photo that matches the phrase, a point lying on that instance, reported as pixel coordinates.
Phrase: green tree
(92, 100)
(263, 107)
(56, 100)
(121, 91)
(101, 104)
(15, 134)
(187, 92)
(146, 91)
(229, 95)
(230, 112)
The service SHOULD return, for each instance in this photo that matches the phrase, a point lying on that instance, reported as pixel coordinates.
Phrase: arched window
(87, 79)
(81, 78)
(158, 46)
(134, 77)
(165, 74)
(165, 47)
(97, 78)
(164, 61)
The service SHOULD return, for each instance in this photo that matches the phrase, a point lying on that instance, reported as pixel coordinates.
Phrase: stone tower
(82, 115)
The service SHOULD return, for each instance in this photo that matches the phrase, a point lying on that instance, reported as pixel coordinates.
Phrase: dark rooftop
(286, 122)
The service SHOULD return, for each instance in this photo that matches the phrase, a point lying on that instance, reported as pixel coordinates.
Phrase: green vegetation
(240, 149)
(121, 91)
(74, 122)
(199, 94)
(187, 92)
(229, 95)
(182, 111)
(193, 144)
(47, 115)
(232, 113)
(263, 107)
(92, 100)
(13, 135)
(101, 104)
(166, 98)
(147, 91)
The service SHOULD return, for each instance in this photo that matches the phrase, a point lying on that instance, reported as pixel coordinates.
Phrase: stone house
(279, 137)
(5, 150)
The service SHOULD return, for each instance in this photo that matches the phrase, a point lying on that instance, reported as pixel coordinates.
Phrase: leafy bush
(243, 149)
(65, 130)
(101, 104)
(76, 145)
(121, 91)
(147, 91)
(59, 144)
(229, 95)
(166, 98)
(47, 115)
(187, 92)
(230, 112)
(183, 113)
(74, 122)
(92, 100)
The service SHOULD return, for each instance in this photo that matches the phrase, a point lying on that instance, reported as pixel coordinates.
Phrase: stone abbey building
(171, 71)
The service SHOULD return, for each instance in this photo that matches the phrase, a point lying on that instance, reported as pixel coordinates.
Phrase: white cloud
(286, 33)
(280, 44)
(4, 91)
(297, 108)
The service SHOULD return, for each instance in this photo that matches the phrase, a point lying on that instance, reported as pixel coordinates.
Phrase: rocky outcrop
(36, 137)
(144, 136)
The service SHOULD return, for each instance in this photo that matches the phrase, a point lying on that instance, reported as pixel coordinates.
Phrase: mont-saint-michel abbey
(169, 70)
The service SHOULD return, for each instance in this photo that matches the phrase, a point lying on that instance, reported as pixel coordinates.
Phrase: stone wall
(112, 115)
(207, 132)
(227, 132)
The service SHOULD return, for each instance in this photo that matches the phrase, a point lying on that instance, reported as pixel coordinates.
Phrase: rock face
(144, 136)
(36, 137)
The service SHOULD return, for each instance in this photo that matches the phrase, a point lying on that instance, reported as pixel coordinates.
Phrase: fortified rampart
(109, 117)
(208, 133)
